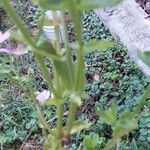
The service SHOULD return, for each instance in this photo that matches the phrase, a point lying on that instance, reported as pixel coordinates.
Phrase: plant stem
(71, 116)
(79, 80)
(68, 54)
(41, 118)
(45, 72)
(60, 109)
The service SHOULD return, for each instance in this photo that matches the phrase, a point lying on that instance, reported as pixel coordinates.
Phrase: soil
(145, 4)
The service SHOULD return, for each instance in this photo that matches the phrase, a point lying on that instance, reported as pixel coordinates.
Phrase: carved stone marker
(128, 22)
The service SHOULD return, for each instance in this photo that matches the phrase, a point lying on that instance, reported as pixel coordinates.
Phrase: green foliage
(69, 78)
(144, 130)
(144, 56)
(109, 116)
(91, 144)
(93, 28)
(80, 5)
(17, 118)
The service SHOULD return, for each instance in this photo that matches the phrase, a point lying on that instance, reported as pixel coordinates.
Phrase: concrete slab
(127, 21)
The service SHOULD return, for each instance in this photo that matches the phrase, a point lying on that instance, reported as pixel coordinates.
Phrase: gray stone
(128, 22)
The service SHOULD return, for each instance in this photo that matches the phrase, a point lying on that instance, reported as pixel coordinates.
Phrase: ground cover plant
(115, 61)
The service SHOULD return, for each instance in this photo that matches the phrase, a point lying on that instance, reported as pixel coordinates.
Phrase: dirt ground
(145, 4)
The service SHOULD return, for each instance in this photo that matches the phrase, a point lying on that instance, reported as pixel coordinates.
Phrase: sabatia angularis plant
(68, 83)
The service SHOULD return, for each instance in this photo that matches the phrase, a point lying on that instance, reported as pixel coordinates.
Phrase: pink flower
(4, 36)
(96, 77)
(43, 96)
(19, 50)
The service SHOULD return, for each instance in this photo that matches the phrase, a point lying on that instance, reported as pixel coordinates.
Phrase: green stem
(76, 16)
(60, 109)
(68, 54)
(71, 116)
(45, 72)
(41, 118)
(79, 81)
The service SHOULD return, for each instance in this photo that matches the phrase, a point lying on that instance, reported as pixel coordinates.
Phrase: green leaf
(65, 74)
(91, 143)
(4, 69)
(123, 127)
(134, 145)
(51, 4)
(98, 45)
(79, 125)
(145, 57)
(52, 143)
(109, 116)
(46, 48)
(54, 101)
(126, 115)
(76, 99)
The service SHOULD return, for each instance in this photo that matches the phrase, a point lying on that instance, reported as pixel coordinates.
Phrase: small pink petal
(96, 77)
(43, 96)
(6, 50)
(20, 50)
(4, 36)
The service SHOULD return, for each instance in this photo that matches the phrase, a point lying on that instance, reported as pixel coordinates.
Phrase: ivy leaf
(145, 57)
(4, 69)
(134, 145)
(98, 45)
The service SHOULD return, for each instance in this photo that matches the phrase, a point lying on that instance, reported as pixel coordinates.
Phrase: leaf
(134, 145)
(109, 116)
(90, 143)
(76, 99)
(65, 73)
(123, 127)
(50, 4)
(4, 69)
(54, 101)
(46, 48)
(98, 45)
(52, 143)
(89, 4)
(79, 125)
(145, 57)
